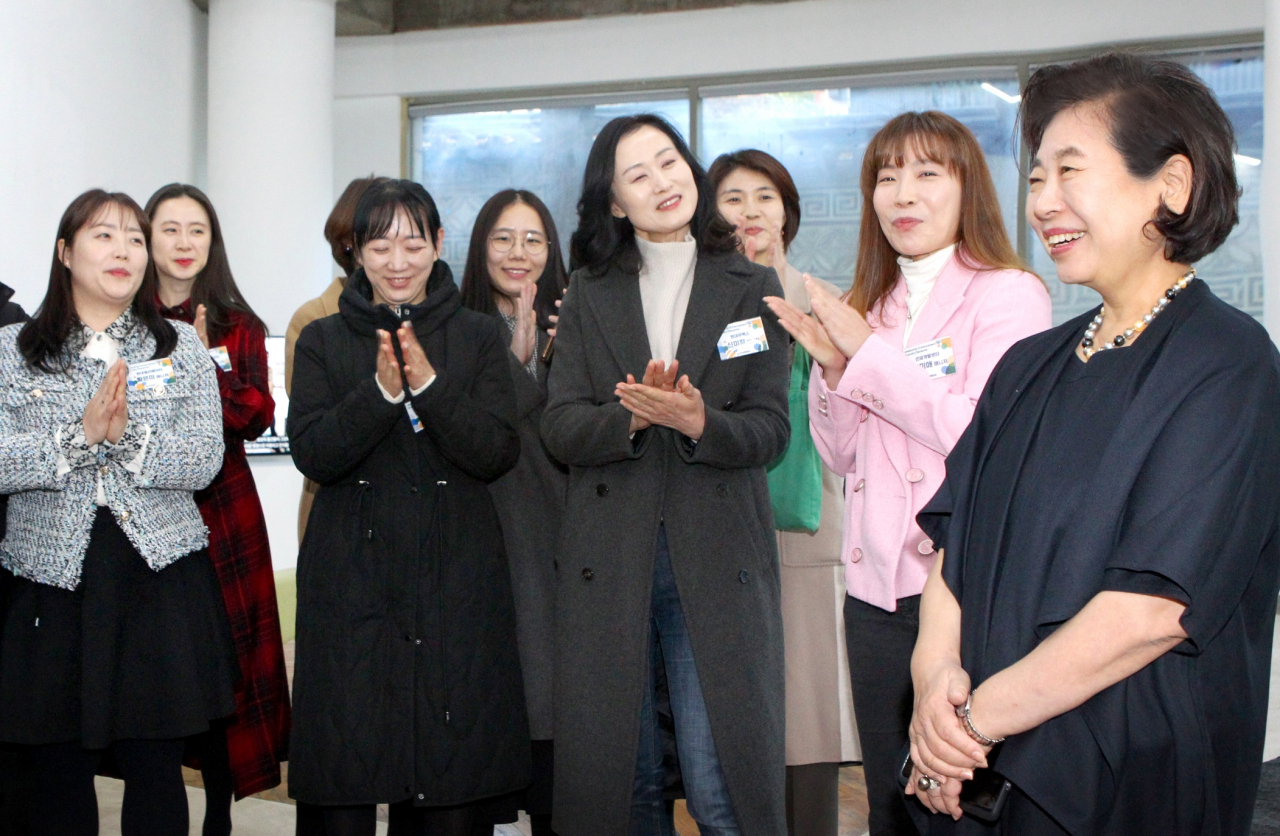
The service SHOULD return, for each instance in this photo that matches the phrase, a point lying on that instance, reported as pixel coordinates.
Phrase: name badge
(151, 375)
(221, 357)
(742, 338)
(414, 420)
(937, 358)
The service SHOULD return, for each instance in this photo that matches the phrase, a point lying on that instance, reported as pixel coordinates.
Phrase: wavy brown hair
(982, 241)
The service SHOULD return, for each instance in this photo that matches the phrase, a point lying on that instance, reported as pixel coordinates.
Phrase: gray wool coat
(714, 501)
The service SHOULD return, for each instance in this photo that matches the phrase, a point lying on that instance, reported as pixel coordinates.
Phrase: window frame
(871, 74)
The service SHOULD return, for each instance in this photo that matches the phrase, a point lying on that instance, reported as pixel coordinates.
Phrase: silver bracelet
(963, 713)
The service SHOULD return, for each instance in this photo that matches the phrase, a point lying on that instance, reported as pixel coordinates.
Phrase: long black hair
(214, 287)
(477, 284)
(43, 339)
(602, 241)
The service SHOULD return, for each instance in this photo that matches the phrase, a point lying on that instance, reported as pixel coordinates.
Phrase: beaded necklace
(1086, 344)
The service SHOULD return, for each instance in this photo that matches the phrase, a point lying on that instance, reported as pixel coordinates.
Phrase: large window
(465, 158)
(465, 152)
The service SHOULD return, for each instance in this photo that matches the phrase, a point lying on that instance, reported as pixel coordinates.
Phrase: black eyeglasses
(534, 244)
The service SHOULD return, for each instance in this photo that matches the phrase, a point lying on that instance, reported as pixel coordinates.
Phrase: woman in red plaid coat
(243, 756)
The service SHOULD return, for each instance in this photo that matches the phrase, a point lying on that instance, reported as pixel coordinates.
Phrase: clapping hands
(107, 413)
(660, 398)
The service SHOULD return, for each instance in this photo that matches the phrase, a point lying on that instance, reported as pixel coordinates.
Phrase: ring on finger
(928, 784)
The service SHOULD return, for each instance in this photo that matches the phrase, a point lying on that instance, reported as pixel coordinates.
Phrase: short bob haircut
(982, 242)
(1156, 109)
(477, 284)
(43, 339)
(337, 229)
(377, 208)
(215, 287)
(767, 166)
(602, 241)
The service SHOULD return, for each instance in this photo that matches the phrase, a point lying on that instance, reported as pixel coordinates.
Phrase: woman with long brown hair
(938, 296)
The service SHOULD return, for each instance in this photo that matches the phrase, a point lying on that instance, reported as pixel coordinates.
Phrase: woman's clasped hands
(660, 398)
(417, 369)
(942, 752)
(107, 413)
(832, 334)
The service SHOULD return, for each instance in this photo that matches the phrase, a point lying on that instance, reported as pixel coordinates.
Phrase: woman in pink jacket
(938, 296)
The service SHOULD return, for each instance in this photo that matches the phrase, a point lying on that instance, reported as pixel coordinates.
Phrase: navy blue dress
(1151, 469)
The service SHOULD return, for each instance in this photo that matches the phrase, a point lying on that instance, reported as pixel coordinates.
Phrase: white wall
(752, 38)
(92, 94)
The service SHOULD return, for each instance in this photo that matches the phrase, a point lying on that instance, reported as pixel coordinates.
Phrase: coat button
(915, 474)
(722, 489)
(868, 397)
(37, 393)
(421, 796)
(855, 393)
(418, 642)
(587, 574)
(728, 405)
(124, 516)
(104, 470)
(742, 576)
(879, 404)
(602, 489)
(925, 547)
(413, 489)
(856, 556)
(862, 483)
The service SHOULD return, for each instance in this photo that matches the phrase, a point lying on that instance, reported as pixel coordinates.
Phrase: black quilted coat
(407, 681)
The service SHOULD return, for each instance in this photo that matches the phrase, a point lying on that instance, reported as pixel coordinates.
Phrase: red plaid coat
(258, 737)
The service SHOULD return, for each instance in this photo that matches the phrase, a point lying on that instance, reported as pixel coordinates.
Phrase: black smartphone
(983, 798)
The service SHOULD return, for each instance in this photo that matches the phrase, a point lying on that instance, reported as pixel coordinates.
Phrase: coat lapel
(717, 290)
(614, 299)
(946, 298)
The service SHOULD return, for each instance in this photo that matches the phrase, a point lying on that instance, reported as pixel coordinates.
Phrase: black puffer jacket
(408, 679)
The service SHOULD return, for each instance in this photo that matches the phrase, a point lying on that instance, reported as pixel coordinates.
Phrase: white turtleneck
(921, 275)
(666, 279)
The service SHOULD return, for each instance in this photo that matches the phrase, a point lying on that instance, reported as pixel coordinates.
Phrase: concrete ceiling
(382, 17)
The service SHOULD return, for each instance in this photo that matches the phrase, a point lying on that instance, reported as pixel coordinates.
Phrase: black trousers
(65, 803)
(880, 645)
(813, 799)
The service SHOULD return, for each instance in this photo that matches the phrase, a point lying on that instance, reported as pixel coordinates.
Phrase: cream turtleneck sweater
(666, 279)
(921, 275)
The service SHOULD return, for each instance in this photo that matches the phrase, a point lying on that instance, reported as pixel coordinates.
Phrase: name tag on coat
(414, 420)
(221, 357)
(742, 338)
(151, 375)
(937, 358)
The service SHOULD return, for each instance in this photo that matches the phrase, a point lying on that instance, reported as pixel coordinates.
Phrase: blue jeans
(669, 646)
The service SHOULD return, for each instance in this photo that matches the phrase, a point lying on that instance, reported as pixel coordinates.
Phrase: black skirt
(131, 653)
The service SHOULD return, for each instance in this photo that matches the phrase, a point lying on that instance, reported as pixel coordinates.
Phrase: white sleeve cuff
(397, 399)
(416, 392)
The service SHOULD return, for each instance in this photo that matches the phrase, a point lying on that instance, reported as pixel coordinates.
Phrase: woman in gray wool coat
(667, 552)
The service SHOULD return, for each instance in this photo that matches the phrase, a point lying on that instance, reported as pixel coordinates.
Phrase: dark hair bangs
(382, 202)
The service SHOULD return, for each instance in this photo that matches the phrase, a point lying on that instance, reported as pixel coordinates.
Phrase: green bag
(795, 478)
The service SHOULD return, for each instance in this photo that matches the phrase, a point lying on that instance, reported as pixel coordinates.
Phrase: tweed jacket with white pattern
(50, 515)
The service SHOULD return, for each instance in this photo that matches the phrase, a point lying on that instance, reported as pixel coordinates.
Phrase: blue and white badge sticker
(741, 338)
(151, 375)
(414, 420)
(937, 358)
(221, 357)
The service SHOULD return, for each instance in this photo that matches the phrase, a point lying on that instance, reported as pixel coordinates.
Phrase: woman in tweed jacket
(115, 638)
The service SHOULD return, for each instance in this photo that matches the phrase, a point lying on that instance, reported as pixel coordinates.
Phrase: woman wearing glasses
(515, 273)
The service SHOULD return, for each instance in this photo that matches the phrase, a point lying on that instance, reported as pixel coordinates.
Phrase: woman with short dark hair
(667, 398)
(515, 274)
(1099, 631)
(755, 192)
(407, 687)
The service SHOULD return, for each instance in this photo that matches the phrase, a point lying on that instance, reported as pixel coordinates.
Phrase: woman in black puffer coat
(407, 688)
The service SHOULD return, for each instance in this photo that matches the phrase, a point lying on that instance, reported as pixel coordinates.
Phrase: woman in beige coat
(755, 193)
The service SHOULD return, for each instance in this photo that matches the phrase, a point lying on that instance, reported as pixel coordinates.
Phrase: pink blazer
(888, 426)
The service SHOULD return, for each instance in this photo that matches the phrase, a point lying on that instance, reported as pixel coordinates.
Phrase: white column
(1270, 203)
(270, 151)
